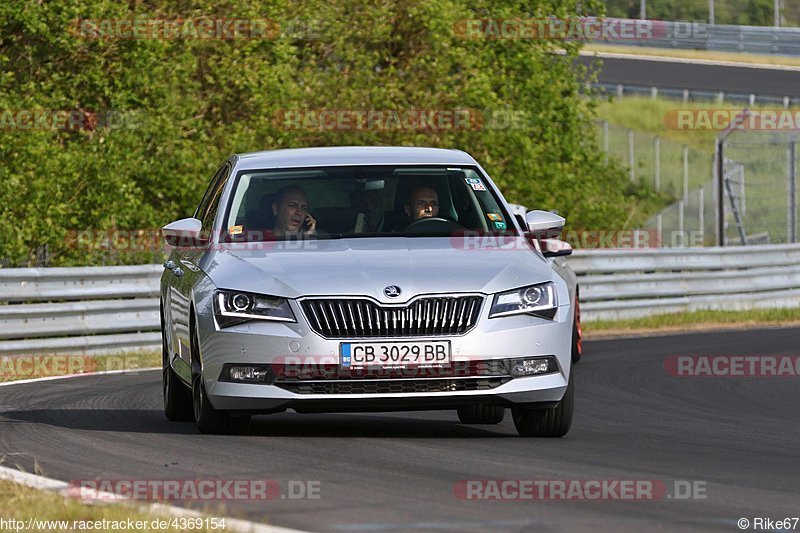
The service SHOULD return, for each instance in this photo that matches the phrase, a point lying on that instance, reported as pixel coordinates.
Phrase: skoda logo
(392, 291)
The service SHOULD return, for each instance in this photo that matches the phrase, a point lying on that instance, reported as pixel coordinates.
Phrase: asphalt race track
(738, 438)
(730, 79)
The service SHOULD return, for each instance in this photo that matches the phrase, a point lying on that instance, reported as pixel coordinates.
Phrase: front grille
(354, 318)
(392, 386)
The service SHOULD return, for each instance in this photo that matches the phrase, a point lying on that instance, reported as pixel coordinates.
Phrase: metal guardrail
(727, 38)
(111, 309)
(621, 284)
(87, 309)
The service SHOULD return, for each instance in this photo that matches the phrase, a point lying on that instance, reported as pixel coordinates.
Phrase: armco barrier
(79, 310)
(108, 309)
(721, 37)
(619, 284)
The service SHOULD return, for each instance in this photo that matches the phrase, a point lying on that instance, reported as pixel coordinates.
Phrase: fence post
(659, 227)
(631, 158)
(792, 220)
(701, 213)
(719, 203)
(657, 150)
(605, 137)
(685, 173)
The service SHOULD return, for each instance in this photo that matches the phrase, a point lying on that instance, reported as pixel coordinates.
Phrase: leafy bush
(182, 106)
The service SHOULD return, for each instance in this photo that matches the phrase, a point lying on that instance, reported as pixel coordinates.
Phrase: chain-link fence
(754, 12)
(662, 164)
(759, 187)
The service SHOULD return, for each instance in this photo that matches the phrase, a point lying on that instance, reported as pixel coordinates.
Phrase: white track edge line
(66, 376)
(45, 483)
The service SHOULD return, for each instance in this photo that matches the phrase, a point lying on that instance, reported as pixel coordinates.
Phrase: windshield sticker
(499, 225)
(476, 184)
(494, 216)
(236, 230)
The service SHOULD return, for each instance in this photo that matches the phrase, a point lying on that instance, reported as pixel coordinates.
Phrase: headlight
(539, 300)
(234, 307)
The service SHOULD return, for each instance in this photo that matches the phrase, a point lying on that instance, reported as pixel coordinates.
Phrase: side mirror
(555, 248)
(544, 224)
(184, 233)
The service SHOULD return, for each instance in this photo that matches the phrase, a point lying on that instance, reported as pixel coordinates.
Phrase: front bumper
(263, 342)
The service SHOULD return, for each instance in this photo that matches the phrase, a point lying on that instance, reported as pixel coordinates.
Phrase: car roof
(352, 155)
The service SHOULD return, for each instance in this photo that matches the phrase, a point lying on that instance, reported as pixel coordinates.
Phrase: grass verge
(692, 321)
(762, 59)
(48, 511)
(16, 367)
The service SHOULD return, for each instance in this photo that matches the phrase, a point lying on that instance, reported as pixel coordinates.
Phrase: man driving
(290, 208)
(423, 202)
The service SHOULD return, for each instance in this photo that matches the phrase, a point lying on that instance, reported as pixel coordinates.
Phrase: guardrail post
(681, 206)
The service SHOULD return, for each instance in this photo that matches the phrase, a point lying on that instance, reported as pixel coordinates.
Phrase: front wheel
(209, 419)
(177, 396)
(553, 422)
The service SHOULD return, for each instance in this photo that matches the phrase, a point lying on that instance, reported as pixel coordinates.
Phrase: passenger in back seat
(368, 206)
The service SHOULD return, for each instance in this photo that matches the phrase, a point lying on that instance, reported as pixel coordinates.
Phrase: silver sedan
(366, 279)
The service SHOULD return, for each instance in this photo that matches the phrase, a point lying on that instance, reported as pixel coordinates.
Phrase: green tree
(185, 104)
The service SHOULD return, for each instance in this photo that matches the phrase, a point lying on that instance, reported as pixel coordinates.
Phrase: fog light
(246, 373)
(534, 366)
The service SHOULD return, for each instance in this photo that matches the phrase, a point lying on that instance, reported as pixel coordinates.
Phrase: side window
(214, 194)
(202, 209)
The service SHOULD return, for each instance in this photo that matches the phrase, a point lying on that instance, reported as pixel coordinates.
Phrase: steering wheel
(433, 225)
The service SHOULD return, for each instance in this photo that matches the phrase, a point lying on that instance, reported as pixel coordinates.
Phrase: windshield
(364, 201)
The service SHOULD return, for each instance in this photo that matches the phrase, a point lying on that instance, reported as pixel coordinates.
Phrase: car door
(187, 271)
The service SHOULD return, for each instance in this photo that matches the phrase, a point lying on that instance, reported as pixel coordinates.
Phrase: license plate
(395, 354)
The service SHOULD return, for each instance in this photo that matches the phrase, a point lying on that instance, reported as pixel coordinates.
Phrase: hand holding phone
(309, 224)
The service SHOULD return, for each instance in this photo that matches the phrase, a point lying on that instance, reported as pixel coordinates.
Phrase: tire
(177, 396)
(481, 414)
(577, 333)
(554, 422)
(208, 419)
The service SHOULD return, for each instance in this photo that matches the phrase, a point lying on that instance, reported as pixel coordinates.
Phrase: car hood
(365, 266)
